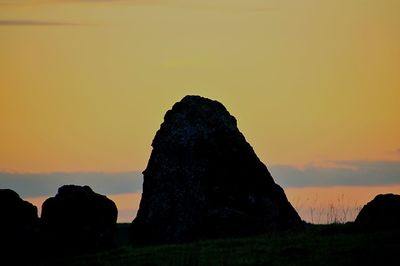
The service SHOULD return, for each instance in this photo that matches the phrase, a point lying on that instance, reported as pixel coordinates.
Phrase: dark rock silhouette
(17, 216)
(204, 180)
(78, 219)
(18, 229)
(382, 213)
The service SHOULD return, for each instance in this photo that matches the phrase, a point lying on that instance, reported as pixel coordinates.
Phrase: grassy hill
(317, 245)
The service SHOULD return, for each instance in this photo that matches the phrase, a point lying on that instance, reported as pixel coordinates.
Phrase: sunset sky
(314, 85)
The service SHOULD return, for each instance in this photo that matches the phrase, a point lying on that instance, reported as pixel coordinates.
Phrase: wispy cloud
(36, 3)
(22, 22)
(342, 173)
(44, 184)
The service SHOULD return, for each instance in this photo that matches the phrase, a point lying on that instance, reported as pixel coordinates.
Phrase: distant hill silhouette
(203, 180)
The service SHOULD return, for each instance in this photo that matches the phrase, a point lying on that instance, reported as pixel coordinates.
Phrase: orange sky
(84, 85)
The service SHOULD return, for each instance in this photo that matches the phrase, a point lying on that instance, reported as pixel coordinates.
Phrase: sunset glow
(307, 80)
(84, 85)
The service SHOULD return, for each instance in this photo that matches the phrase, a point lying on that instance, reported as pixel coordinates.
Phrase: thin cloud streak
(44, 184)
(22, 22)
(29, 2)
(345, 173)
(342, 173)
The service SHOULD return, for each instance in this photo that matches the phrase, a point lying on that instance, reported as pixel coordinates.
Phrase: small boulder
(18, 229)
(17, 216)
(16, 213)
(383, 212)
(79, 219)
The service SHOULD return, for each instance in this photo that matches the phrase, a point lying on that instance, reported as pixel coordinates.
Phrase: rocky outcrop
(78, 218)
(18, 229)
(17, 216)
(382, 213)
(203, 180)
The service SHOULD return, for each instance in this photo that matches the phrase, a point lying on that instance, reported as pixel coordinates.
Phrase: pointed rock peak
(204, 179)
(192, 119)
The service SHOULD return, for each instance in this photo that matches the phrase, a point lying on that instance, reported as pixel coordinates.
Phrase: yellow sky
(84, 85)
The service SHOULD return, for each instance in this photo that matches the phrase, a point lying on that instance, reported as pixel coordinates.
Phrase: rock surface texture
(78, 218)
(382, 213)
(204, 180)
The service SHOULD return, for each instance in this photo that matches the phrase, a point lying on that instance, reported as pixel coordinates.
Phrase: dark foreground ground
(317, 245)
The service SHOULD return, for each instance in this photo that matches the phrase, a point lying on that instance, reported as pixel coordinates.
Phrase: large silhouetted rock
(204, 180)
(382, 213)
(78, 218)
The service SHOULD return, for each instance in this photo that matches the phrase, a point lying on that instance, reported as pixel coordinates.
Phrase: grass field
(336, 244)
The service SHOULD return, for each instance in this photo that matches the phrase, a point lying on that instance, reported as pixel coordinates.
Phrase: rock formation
(18, 229)
(204, 180)
(78, 218)
(17, 216)
(383, 212)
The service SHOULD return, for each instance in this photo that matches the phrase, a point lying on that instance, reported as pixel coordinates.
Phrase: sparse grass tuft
(338, 212)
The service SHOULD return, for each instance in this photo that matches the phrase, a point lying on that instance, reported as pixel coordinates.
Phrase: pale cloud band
(43, 184)
(344, 173)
